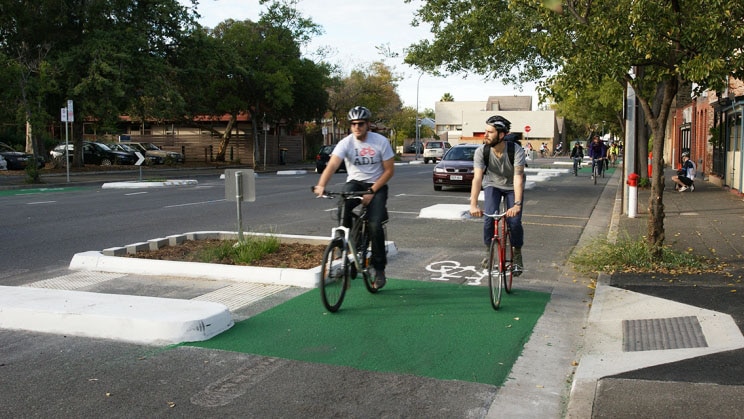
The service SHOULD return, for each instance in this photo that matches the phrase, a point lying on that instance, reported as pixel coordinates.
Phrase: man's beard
(496, 141)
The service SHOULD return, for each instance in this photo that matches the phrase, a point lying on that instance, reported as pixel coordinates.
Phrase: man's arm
(334, 162)
(518, 191)
(475, 188)
(388, 169)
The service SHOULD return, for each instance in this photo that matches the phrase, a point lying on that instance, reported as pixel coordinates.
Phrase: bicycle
(596, 170)
(576, 165)
(499, 265)
(347, 253)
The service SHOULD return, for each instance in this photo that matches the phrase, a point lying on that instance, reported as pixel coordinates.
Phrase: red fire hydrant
(633, 179)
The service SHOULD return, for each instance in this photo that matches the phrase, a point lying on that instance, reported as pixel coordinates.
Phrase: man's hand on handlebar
(318, 190)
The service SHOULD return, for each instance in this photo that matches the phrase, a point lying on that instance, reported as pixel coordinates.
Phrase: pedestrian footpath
(657, 345)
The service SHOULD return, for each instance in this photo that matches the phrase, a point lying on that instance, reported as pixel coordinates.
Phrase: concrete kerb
(137, 319)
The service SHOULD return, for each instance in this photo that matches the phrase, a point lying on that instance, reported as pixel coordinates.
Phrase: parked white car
(434, 151)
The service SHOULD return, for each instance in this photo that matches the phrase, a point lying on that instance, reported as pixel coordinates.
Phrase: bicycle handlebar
(495, 216)
(345, 195)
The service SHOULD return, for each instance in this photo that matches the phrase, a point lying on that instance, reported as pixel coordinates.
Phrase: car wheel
(437, 188)
(105, 162)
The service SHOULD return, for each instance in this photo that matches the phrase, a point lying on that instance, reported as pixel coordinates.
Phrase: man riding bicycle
(577, 154)
(369, 162)
(598, 153)
(502, 175)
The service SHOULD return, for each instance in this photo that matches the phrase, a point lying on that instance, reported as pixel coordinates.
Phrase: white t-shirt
(364, 158)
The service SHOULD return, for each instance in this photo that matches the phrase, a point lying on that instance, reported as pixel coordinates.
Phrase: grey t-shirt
(500, 173)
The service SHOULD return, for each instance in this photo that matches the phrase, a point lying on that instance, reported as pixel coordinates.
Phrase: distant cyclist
(598, 154)
(577, 154)
(613, 153)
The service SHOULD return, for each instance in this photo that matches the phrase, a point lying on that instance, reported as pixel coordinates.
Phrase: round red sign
(527, 128)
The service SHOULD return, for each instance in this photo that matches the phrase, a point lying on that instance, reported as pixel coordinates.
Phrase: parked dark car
(126, 148)
(321, 160)
(161, 156)
(18, 160)
(456, 167)
(414, 147)
(99, 153)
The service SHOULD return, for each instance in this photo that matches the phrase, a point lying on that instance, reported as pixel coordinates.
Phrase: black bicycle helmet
(359, 112)
(499, 122)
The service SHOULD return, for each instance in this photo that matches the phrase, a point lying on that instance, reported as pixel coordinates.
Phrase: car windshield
(460, 153)
(433, 145)
(150, 146)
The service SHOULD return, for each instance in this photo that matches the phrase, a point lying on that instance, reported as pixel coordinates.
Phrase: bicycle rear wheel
(334, 275)
(508, 260)
(495, 275)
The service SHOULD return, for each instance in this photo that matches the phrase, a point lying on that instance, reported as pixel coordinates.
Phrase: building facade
(463, 122)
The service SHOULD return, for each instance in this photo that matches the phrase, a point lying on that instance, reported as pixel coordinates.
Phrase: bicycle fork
(343, 233)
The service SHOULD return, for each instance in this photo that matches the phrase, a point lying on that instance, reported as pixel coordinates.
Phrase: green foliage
(244, 252)
(628, 255)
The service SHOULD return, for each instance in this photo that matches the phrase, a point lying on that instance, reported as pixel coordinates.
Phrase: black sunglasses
(358, 123)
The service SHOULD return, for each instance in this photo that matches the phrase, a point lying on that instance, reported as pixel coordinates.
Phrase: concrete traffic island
(142, 319)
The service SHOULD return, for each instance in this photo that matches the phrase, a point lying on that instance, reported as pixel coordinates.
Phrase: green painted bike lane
(32, 191)
(432, 329)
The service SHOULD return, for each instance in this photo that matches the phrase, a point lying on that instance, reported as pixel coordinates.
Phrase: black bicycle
(347, 254)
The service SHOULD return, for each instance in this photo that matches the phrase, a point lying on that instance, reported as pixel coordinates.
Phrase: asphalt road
(53, 375)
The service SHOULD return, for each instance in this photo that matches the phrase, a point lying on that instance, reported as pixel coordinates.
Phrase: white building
(458, 122)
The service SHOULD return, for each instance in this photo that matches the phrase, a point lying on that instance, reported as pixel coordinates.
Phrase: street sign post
(140, 159)
(240, 185)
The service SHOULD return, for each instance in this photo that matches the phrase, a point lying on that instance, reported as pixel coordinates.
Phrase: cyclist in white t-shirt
(370, 164)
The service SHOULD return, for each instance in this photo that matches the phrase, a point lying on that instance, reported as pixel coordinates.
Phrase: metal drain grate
(660, 334)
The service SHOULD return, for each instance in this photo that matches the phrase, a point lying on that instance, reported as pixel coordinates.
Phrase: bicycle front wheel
(495, 275)
(334, 275)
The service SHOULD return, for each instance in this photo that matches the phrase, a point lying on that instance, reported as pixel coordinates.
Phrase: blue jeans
(492, 197)
(377, 215)
(600, 164)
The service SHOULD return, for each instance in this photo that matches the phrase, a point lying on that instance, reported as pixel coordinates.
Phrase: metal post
(418, 135)
(239, 203)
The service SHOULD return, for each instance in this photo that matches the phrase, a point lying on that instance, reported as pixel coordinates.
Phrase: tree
(593, 108)
(447, 97)
(666, 43)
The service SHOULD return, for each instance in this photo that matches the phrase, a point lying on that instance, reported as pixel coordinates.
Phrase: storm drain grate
(659, 334)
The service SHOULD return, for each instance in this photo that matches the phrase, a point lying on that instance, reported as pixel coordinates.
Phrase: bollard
(633, 194)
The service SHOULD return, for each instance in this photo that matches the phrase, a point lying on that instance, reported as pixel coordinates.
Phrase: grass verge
(634, 255)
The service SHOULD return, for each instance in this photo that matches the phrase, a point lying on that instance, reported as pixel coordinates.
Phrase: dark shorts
(687, 181)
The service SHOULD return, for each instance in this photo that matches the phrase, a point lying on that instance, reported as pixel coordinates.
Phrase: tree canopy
(665, 43)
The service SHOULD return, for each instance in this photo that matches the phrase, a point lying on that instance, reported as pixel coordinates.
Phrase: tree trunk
(666, 91)
(225, 139)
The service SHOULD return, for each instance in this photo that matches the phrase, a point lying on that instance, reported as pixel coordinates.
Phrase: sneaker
(380, 279)
(684, 188)
(484, 263)
(692, 188)
(517, 262)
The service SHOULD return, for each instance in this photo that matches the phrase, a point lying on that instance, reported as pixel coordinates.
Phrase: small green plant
(32, 171)
(628, 255)
(243, 252)
(644, 183)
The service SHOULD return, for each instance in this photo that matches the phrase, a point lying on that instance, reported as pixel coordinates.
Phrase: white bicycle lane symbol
(453, 270)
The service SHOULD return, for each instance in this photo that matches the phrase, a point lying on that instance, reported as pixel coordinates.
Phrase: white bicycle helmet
(359, 112)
